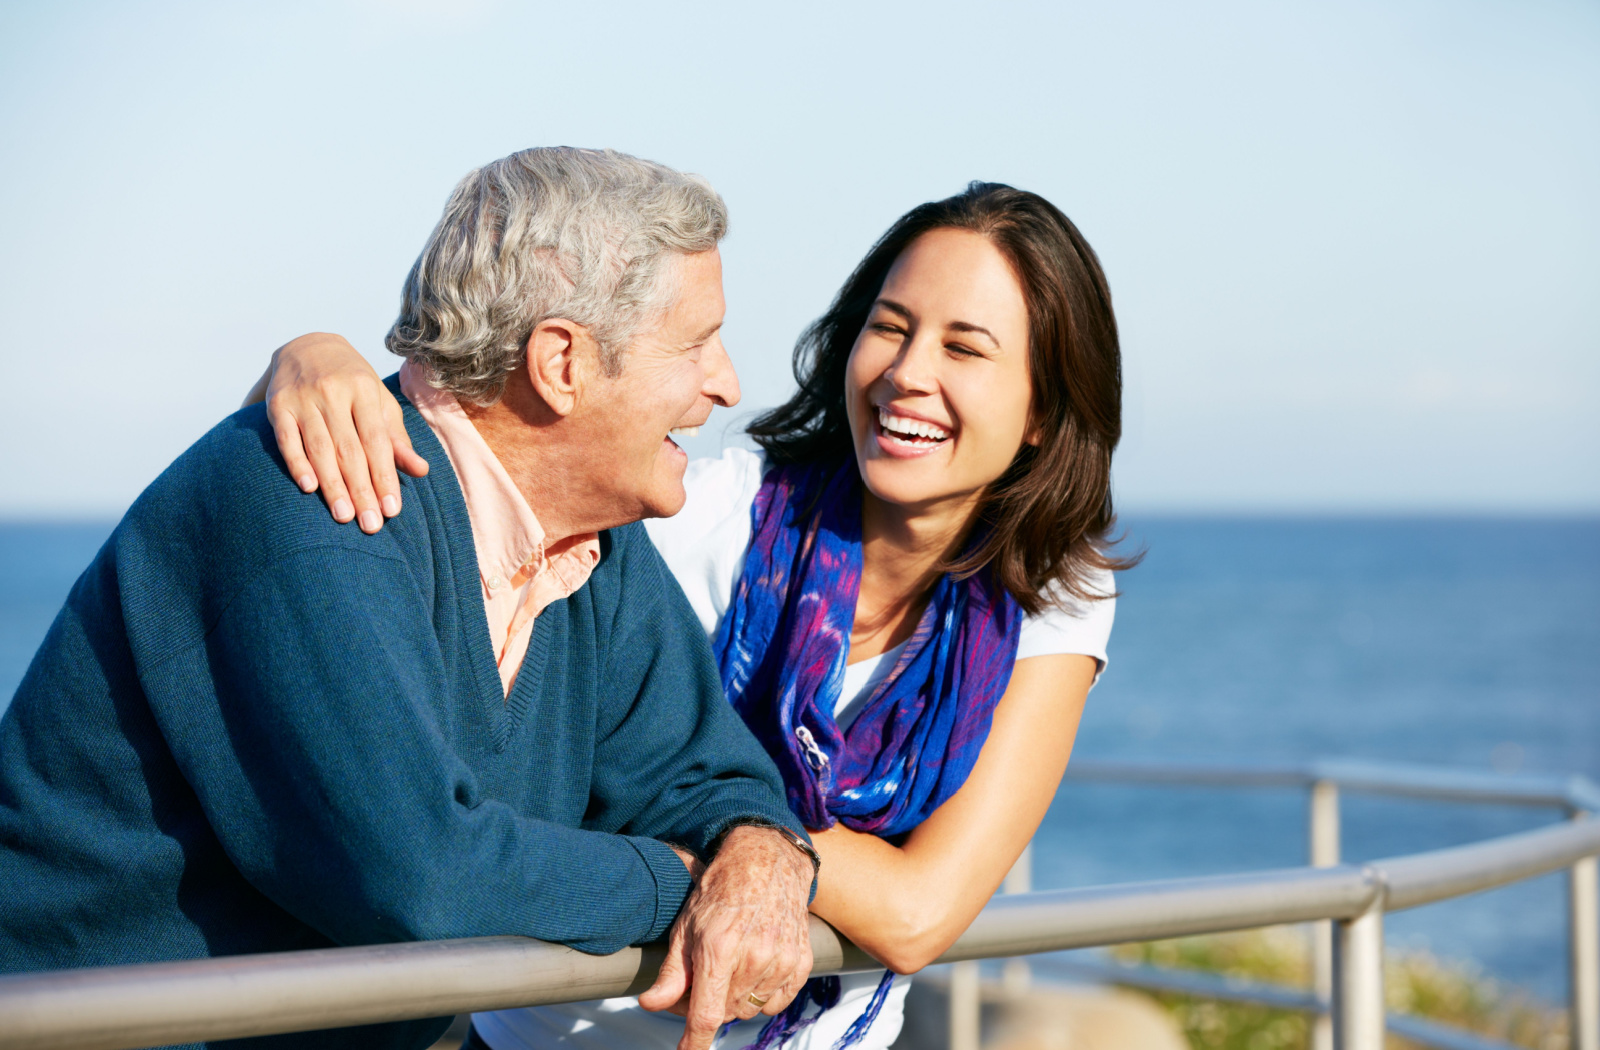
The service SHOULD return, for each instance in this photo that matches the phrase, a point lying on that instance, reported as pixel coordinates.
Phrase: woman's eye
(962, 351)
(888, 329)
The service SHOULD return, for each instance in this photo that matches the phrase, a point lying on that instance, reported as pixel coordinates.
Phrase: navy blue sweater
(251, 729)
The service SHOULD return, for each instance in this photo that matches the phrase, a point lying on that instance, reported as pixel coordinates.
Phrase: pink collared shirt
(520, 576)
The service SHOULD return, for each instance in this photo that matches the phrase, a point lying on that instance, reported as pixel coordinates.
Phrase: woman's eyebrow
(954, 326)
(964, 326)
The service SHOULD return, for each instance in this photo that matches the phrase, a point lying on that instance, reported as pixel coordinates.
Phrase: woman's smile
(905, 436)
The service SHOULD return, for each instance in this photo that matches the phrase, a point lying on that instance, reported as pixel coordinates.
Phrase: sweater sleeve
(319, 757)
(675, 762)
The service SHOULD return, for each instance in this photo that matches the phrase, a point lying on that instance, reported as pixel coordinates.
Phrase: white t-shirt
(704, 546)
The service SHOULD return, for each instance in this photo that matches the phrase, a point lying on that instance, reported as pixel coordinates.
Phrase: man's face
(672, 376)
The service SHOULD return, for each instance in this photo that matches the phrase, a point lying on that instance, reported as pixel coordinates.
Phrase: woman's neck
(901, 549)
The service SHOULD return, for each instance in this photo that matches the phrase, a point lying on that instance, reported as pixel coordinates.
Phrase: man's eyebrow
(707, 334)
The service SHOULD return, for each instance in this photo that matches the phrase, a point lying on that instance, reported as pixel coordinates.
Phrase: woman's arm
(338, 427)
(905, 905)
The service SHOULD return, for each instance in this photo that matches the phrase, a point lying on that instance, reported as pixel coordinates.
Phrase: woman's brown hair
(1046, 522)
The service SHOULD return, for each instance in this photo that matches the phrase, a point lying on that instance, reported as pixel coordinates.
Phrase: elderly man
(253, 730)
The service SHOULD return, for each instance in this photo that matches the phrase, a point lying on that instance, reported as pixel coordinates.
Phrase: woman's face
(937, 386)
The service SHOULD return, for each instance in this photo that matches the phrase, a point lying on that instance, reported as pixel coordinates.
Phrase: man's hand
(743, 932)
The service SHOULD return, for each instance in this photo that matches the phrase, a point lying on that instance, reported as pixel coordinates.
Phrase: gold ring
(755, 1000)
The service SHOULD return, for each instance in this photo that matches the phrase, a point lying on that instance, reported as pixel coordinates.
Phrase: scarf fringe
(824, 992)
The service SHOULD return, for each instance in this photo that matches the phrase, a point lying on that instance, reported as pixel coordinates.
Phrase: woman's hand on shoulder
(339, 428)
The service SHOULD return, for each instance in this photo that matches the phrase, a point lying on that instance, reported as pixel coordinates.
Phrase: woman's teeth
(687, 432)
(910, 431)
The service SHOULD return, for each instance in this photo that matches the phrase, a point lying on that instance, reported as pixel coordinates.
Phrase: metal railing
(1437, 879)
(127, 1007)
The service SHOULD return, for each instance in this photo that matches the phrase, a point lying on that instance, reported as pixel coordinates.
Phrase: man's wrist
(788, 834)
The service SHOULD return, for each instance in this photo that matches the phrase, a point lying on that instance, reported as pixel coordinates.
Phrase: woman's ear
(558, 353)
(1034, 435)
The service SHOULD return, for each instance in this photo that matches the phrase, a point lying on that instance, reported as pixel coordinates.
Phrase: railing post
(965, 1005)
(1358, 980)
(1583, 913)
(1324, 826)
(1016, 975)
(966, 991)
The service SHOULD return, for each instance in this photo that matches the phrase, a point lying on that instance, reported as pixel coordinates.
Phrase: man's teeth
(687, 432)
(907, 427)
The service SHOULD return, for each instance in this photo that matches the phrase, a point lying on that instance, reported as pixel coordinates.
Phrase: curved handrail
(126, 1007)
(1372, 777)
(1423, 878)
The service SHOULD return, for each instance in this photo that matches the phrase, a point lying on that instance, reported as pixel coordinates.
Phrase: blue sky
(1355, 248)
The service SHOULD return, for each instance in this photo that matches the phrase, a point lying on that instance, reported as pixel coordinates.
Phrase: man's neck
(542, 465)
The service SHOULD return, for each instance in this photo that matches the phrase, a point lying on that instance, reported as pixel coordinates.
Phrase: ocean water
(1459, 642)
(1466, 643)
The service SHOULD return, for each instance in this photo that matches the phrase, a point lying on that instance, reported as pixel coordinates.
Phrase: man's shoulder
(243, 443)
(227, 506)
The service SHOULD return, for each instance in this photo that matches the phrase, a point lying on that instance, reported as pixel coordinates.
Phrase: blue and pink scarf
(782, 646)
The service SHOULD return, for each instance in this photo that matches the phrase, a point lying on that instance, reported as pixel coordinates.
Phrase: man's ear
(559, 354)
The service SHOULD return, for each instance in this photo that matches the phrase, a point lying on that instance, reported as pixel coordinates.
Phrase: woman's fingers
(350, 427)
(287, 431)
(325, 463)
(405, 457)
(378, 449)
(356, 469)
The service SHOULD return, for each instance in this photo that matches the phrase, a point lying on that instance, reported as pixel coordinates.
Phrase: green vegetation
(1415, 983)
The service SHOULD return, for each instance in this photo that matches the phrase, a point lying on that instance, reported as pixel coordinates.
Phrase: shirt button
(494, 583)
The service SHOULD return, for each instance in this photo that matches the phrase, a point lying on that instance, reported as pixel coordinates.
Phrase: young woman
(908, 589)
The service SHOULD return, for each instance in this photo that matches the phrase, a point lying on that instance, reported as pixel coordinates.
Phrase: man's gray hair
(586, 235)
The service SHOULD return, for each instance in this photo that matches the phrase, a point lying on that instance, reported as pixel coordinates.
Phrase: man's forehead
(698, 313)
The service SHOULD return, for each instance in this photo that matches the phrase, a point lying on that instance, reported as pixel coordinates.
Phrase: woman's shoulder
(1073, 625)
(734, 474)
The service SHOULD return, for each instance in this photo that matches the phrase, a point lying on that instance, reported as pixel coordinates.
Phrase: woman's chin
(904, 482)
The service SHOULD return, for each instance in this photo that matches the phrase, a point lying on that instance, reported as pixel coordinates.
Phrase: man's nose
(722, 382)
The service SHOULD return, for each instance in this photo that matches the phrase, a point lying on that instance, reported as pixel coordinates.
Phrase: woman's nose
(911, 372)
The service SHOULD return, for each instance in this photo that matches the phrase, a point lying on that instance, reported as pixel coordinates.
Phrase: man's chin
(667, 496)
